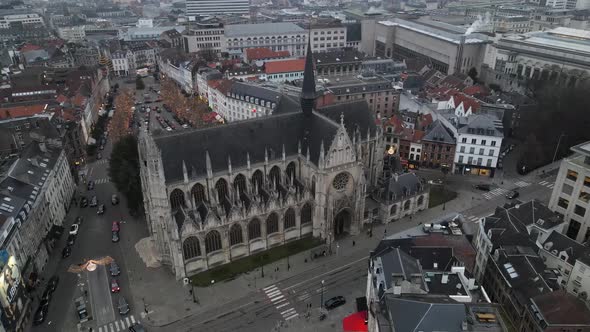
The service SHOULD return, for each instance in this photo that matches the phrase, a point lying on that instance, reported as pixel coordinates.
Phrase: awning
(355, 322)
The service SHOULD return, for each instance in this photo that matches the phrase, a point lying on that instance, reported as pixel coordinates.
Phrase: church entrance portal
(342, 223)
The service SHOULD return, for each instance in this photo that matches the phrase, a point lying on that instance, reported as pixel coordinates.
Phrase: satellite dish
(186, 281)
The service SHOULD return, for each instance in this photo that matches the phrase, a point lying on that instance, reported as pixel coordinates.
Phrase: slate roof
(425, 314)
(243, 89)
(483, 122)
(238, 138)
(561, 308)
(356, 115)
(397, 262)
(561, 242)
(439, 133)
(406, 184)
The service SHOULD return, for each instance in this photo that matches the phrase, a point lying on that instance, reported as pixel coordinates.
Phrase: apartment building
(10, 17)
(326, 35)
(200, 37)
(236, 101)
(571, 193)
(283, 36)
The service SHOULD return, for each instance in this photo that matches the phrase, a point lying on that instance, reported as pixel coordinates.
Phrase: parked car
(46, 296)
(512, 194)
(114, 199)
(123, 306)
(115, 286)
(137, 327)
(334, 302)
(90, 185)
(115, 270)
(101, 209)
(52, 283)
(74, 229)
(65, 253)
(78, 220)
(94, 201)
(484, 187)
(115, 226)
(71, 240)
(41, 313)
(83, 202)
(115, 237)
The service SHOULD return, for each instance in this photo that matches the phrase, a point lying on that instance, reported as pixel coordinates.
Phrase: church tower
(308, 93)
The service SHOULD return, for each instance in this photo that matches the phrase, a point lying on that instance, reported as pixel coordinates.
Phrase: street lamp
(322, 296)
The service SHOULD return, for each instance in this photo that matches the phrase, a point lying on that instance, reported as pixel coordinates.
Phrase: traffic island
(235, 268)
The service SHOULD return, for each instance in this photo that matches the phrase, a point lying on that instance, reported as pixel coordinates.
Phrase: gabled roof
(468, 102)
(561, 242)
(477, 90)
(285, 66)
(439, 133)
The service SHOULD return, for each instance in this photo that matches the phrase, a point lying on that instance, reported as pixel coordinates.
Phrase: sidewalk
(170, 301)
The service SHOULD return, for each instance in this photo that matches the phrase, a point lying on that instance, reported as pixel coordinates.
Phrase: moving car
(115, 237)
(334, 302)
(115, 226)
(512, 194)
(90, 185)
(83, 202)
(52, 283)
(41, 313)
(115, 286)
(71, 240)
(94, 201)
(101, 209)
(74, 229)
(137, 327)
(484, 187)
(114, 199)
(65, 253)
(123, 306)
(115, 271)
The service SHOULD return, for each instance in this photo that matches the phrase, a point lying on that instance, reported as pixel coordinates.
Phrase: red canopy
(355, 322)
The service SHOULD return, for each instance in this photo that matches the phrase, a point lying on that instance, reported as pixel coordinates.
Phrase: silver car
(123, 306)
(115, 270)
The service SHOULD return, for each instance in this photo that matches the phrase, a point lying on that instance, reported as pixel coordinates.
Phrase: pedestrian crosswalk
(494, 193)
(101, 162)
(119, 325)
(473, 218)
(280, 302)
(522, 184)
(101, 181)
(547, 184)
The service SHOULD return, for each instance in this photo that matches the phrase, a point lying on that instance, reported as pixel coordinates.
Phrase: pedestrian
(353, 243)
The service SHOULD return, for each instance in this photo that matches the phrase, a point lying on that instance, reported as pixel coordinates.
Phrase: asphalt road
(98, 286)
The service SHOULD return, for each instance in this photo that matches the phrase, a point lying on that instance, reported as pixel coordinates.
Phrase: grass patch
(231, 270)
(439, 196)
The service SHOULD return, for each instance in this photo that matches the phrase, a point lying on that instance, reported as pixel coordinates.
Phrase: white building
(179, 70)
(236, 101)
(216, 7)
(203, 76)
(276, 36)
(122, 62)
(571, 193)
(25, 17)
(478, 145)
(204, 37)
(72, 34)
(283, 70)
(327, 36)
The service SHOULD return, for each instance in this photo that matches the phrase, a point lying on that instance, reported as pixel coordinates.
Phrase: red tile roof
(285, 66)
(264, 53)
(412, 135)
(222, 86)
(468, 102)
(477, 90)
(396, 123)
(30, 47)
(21, 111)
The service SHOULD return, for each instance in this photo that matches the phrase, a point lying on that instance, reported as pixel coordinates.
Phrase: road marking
(473, 218)
(326, 273)
(275, 293)
(127, 321)
(282, 305)
(288, 311)
(132, 320)
(100, 329)
(543, 183)
(269, 287)
(112, 327)
(304, 297)
(293, 316)
(522, 184)
(276, 298)
(551, 185)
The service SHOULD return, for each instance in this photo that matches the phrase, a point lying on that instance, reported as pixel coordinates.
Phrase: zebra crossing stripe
(282, 305)
(277, 298)
(132, 320)
(127, 321)
(288, 312)
(100, 329)
(292, 316)
(269, 287)
(112, 328)
(281, 300)
(543, 183)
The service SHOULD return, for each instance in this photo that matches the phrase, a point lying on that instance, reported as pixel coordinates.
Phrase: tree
(124, 171)
(139, 85)
(123, 115)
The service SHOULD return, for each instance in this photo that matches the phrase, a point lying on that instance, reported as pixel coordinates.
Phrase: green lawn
(438, 196)
(239, 266)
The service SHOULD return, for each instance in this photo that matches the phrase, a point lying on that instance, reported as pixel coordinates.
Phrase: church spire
(308, 93)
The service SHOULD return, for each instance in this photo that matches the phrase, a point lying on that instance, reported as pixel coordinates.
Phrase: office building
(276, 36)
(216, 7)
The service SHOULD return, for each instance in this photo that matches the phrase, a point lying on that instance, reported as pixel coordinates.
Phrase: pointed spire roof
(308, 93)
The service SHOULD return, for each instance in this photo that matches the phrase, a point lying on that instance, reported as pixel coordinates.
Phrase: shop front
(476, 170)
(14, 302)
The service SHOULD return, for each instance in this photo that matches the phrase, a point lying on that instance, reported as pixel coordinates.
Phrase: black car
(123, 306)
(334, 302)
(115, 237)
(83, 202)
(71, 240)
(90, 185)
(52, 283)
(512, 194)
(41, 313)
(46, 296)
(136, 328)
(115, 270)
(66, 252)
(483, 187)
